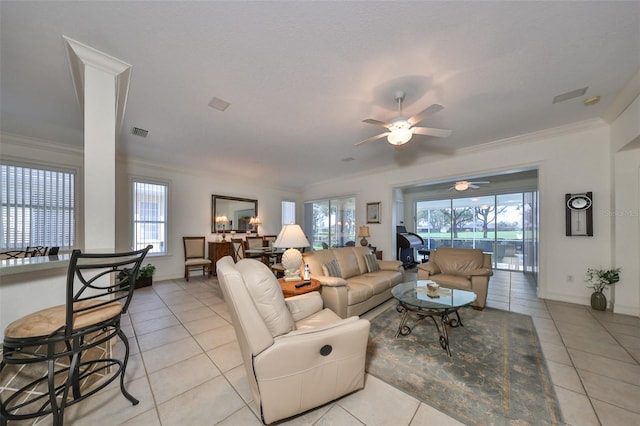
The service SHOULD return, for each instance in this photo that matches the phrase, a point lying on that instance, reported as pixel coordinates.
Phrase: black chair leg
(126, 394)
(56, 411)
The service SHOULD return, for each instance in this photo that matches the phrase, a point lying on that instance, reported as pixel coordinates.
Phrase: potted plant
(145, 275)
(598, 280)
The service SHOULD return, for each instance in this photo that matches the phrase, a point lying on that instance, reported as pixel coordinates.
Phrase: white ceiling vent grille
(219, 104)
(570, 95)
(139, 132)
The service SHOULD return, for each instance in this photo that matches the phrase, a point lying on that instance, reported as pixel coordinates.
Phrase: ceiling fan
(463, 185)
(401, 129)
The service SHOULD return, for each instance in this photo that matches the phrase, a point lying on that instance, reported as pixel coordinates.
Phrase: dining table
(268, 255)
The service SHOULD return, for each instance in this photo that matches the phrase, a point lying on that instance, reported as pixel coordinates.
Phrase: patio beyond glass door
(330, 223)
(505, 225)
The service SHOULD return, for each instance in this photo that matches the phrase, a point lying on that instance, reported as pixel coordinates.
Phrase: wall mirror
(232, 213)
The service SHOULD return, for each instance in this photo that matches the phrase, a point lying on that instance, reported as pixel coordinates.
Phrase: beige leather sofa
(296, 354)
(355, 290)
(466, 269)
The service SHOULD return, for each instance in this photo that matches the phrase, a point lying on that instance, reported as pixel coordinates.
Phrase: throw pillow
(372, 262)
(332, 269)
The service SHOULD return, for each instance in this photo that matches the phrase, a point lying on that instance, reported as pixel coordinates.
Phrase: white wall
(190, 207)
(190, 196)
(569, 159)
(625, 134)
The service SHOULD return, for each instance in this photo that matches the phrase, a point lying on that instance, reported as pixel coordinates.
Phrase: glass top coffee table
(413, 296)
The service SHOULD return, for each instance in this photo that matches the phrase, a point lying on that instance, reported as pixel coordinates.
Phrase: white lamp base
(291, 261)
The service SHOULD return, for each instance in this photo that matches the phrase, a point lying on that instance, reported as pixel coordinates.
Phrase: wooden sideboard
(218, 250)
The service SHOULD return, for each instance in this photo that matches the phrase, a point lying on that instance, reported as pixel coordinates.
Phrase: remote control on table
(303, 284)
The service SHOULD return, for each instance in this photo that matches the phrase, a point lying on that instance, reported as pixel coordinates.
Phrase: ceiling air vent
(219, 104)
(139, 132)
(570, 95)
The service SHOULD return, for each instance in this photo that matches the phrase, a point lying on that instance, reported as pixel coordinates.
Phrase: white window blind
(38, 207)
(150, 202)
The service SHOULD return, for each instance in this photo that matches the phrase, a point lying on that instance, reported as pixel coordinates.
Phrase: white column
(101, 84)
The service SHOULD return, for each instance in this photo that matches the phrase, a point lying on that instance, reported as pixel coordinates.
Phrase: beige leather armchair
(297, 355)
(466, 269)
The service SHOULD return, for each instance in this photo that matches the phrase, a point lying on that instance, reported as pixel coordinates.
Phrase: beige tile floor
(185, 365)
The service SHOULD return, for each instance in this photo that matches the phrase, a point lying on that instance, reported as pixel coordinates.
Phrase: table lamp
(364, 232)
(254, 222)
(291, 237)
(221, 221)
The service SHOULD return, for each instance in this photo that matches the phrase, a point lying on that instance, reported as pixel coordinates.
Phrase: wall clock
(579, 214)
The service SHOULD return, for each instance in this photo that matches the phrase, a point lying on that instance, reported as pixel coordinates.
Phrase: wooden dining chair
(194, 256)
(238, 248)
(255, 242)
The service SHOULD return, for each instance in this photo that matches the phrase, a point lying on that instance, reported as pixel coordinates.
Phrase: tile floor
(185, 365)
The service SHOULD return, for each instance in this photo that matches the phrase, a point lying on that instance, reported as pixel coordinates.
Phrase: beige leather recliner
(297, 355)
(465, 269)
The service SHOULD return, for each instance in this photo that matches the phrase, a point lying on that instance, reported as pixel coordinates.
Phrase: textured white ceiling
(300, 76)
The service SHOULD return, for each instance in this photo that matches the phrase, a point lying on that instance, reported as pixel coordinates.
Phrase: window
(288, 212)
(150, 216)
(494, 223)
(38, 207)
(330, 223)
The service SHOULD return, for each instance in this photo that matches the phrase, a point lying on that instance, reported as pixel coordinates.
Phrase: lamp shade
(364, 232)
(291, 236)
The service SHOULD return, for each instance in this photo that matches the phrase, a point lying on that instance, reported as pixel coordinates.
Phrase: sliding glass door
(330, 223)
(505, 225)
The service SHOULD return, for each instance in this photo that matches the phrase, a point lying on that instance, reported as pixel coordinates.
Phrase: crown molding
(625, 97)
(581, 126)
(80, 56)
(43, 144)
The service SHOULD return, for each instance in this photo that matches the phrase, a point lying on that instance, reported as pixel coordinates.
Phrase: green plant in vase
(598, 280)
(144, 276)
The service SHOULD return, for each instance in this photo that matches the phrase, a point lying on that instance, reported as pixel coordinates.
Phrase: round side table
(289, 287)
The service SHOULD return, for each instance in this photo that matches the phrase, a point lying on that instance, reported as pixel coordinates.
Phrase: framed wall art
(373, 212)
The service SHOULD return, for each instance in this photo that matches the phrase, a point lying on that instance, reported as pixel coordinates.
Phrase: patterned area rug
(495, 376)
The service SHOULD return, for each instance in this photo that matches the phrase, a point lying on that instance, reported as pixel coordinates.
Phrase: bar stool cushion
(48, 321)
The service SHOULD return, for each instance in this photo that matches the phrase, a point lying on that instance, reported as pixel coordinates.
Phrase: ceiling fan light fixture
(462, 185)
(399, 136)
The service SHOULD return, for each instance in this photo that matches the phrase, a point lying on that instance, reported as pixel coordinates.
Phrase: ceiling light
(401, 132)
(462, 185)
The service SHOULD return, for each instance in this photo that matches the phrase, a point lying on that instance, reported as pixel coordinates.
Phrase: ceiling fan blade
(472, 186)
(480, 182)
(376, 122)
(373, 138)
(430, 131)
(424, 114)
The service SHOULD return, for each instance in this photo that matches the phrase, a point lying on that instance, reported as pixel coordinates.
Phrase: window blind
(38, 207)
(150, 216)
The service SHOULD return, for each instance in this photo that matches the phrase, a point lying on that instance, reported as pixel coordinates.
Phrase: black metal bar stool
(99, 290)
